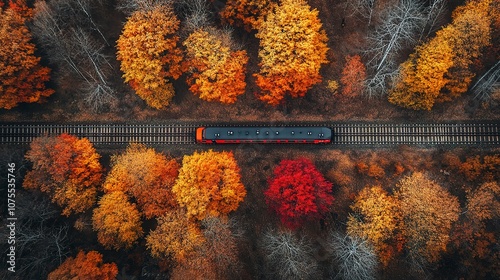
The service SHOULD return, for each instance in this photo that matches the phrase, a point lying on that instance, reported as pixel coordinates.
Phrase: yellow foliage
(484, 203)
(117, 221)
(247, 13)
(209, 184)
(428, 212)
(218, 73)
(149, 54)
(333, 86)
(375, 219)
(292, 49)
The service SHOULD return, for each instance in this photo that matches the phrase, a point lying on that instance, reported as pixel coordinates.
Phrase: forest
(249, 211)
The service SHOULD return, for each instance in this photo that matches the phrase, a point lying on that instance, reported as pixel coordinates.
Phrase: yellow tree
(217, 69)
(117, 221)
(67, 168)
(209, 183)
(427, 214)
(145, 175)
(149, 54)
(292, 49)
(422, 76)
(86, 266)
(375, 219)
(22, 78)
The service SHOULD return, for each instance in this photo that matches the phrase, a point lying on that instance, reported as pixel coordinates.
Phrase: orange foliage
(145, 175)
(353, 76)
(428, 212)
(67, 168)
(247, 13)
(292, 49)
(375, 218)
(149, 54)
(209, 184)
(484, 203)
(86, 266)
(117, 221)
(485, 168)
(22, 78)
(217, 72)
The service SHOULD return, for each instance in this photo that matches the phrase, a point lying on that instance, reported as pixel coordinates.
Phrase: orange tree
(292, 49)
(353, 76)
(217, 70)
(298, 192)
(375, 219)
(22, 78)
(440, 69)
(86, 266)
(209, 183)
(67, 168)
(247, 13)
(149, 54)
(145, 175)
(427, 214)
(117, 221)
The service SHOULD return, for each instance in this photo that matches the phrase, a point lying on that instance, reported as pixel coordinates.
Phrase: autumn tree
(353, 76)
(247, 13)
(354, 256)
(145, 175)
(149, 54)
(288, 256)
(217, 68)
(427, 214)
(87, 266)
(422, 76)
(117, 221)
(175, 236)
(298, 192)
(22, 78)
(209, 184)
(292, 49)
(67, 168)
(375, 219)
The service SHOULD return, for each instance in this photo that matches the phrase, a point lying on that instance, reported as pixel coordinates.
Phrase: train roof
(267, 133)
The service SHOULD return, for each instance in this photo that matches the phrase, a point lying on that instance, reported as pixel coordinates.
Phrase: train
(263, 134)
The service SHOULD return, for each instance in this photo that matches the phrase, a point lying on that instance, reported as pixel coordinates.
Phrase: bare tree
(400, 24)
(434, 16)
(288, 257)
(130, 6)
(365, 8)
(487, 83)
(355, 258)
(196, 12)
(70, 46)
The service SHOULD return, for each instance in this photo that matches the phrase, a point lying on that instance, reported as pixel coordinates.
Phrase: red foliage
(298, 192)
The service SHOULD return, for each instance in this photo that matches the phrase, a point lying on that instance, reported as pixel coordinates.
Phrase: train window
(293, 132)
(246, 132)
(267, 132)
(257, 132)
(277, 132)
(216, 134)
(229, 132)
(321, 135)
(309, 133)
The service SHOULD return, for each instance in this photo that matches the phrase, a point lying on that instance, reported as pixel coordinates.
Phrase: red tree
(298, 192)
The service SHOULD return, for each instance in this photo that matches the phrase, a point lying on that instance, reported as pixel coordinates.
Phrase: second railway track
(345, 134)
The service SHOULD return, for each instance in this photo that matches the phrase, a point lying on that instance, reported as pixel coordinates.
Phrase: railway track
(345, 134)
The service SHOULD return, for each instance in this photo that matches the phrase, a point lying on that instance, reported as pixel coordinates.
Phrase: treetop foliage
(149, 54)
(298, 192)
(292, 49)
(249, 14)
(217, 70)
(67, 168)
(87, 266)
(209, 184)
(22, 78)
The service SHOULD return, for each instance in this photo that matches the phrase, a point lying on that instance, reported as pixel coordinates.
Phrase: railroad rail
(345, 133)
